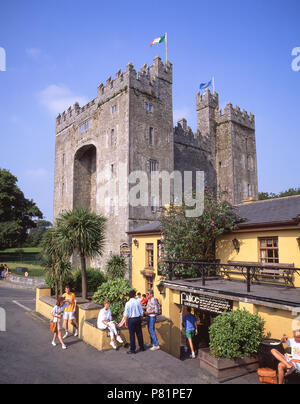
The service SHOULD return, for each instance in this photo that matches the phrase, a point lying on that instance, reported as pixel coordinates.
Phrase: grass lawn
(27, 250)
(35, 271)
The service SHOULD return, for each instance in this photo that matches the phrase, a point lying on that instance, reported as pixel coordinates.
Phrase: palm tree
(56, 259)
(83, 232)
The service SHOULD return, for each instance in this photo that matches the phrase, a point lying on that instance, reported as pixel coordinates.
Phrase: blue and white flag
(210, 83)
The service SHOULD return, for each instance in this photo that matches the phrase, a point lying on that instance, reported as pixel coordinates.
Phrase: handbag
(268, 376)
(53, 327)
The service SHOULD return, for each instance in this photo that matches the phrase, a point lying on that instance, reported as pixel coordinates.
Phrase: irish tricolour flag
(161, 39)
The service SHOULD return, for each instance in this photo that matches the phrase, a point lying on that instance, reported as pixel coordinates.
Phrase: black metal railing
(267, 274)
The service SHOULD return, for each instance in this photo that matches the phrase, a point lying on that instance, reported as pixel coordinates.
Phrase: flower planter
(224, 369)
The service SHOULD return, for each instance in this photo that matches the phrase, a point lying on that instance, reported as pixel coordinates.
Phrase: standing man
(69, 313)
(151, 312)
(133, 320)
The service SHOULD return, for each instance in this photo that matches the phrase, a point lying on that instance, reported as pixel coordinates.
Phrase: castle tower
(224, 147)
(236, 159)
(127, 127)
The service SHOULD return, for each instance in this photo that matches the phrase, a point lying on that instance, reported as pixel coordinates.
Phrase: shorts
(297, 365)
(190, 334)
(69, 315)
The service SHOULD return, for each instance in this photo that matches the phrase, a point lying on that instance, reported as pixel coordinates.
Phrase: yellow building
(267, 242)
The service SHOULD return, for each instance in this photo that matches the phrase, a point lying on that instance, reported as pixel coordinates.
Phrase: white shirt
(104, 315)
(295, 348)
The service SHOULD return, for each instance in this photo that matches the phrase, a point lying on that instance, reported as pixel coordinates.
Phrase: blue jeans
(151, 328)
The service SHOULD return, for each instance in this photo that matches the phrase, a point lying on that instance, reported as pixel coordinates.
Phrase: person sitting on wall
(105, 321)
(190, 327)
(288, 364)
(2, 271)
(6, 271)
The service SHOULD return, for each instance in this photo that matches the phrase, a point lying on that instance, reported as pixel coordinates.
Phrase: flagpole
(214, 84)
(166, 47)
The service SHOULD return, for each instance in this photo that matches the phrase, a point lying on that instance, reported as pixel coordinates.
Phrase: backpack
(159, 310)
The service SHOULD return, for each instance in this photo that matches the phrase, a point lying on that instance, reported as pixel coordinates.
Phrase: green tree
(56, 260)
(116, 267)
(83, 232)
(35, 234)
(116, 291)
(290, 192)
(16, 212)
(193, 238)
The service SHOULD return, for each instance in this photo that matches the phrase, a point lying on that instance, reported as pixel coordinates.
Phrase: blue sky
(60, 51)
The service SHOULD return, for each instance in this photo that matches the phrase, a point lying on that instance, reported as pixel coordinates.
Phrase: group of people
(4, 271)
(135, 310)
(134, 313)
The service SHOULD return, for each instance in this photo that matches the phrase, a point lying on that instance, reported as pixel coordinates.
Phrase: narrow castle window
(113, 109)
(146, 106)
(249, 190)
(113, 138)
(150, 108)
(112, 170)
(151, 137)
(153, 165)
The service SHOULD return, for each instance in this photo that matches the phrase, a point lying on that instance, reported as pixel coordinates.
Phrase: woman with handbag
(56, 324)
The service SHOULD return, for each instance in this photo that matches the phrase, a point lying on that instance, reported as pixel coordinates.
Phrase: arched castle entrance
(85, 178)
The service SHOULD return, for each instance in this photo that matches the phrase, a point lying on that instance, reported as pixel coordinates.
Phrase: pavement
(27, 356)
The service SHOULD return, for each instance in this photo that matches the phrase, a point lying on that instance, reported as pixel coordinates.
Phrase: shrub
(95, 278)
(236, 334)
(116, 267)
(116, 291)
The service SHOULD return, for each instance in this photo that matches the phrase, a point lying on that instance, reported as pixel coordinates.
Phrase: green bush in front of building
(116, 291)
(236, 334)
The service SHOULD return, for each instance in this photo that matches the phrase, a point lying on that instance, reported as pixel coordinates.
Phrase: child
(190, 327)
(57, 314)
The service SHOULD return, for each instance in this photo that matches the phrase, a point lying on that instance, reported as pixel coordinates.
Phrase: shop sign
(125, 250)
(206, 303)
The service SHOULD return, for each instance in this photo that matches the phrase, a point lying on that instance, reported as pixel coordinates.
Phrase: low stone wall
(27, 282)
(101, 341)
(86, 318)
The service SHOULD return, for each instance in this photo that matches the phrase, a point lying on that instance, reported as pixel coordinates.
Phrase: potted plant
(234, 341)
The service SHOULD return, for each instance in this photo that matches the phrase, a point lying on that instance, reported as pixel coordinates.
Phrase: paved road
(26, 355)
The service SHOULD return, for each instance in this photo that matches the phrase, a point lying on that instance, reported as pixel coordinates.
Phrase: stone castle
(129, 127)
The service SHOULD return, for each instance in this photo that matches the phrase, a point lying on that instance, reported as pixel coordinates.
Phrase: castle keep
(129, 127)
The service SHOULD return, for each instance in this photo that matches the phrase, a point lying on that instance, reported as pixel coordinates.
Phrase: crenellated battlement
(146, 81)
(183, 134)
(207, 100)
(235, 115)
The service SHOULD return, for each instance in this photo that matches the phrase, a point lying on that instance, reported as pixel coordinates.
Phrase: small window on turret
(113, 109)
(150, 108)
(146, 106)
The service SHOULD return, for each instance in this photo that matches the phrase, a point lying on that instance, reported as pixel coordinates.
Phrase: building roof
(271, 211)
(153, 227)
